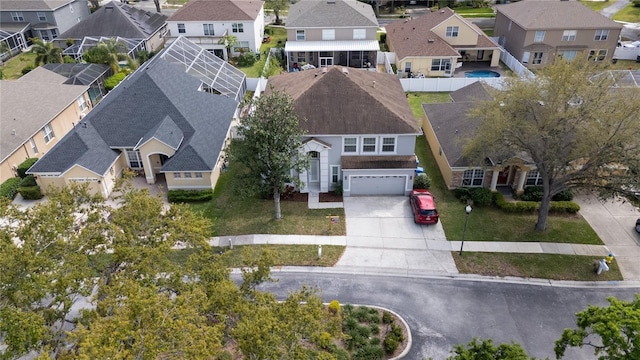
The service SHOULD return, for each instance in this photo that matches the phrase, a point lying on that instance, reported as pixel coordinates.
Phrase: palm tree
(46, 53)
(108, 52)
(228, 41)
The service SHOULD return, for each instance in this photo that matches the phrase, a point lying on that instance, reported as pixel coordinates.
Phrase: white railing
(515, 65)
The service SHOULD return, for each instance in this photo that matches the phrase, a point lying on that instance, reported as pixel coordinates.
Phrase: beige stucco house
(32, 125)
(437, 43)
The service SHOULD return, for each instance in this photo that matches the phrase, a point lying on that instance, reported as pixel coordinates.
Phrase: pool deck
(472, 65)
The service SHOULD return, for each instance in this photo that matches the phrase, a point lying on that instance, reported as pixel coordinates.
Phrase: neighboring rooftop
(32, 5)
(554, 14)
(340, 100)
(78, 74)
(336, 13)
(218, 10)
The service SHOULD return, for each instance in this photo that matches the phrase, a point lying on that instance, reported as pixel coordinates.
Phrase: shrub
(68, 59)
(397, 332)
(566, 195)
(374, 318)
(369, 352)
(334, 306)
(532, 193)
(247, 59)
(564, 207)
(481, 196)
(114, 80)
(421, 181)
(338, 189)
(323, 340)
(386, 317)
(383, 38)
(532, 206)
(177, 196)
(26, 69)
(142, 56)
(9, 188)
(28, 181)
(362, 314)
(390, 343)
(341, 354)
(462, 193)
(375, 329)
(636, 3)
(30, 192)
(24, 166)
(350, 324)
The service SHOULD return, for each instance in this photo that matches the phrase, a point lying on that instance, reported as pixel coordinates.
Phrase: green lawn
(597, 5)
(628, 14)
(541, 266)
(234, 215)
(278, 39)
(475, 12)
(13, 67)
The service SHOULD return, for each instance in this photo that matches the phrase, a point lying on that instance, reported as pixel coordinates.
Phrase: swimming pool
(481, 73)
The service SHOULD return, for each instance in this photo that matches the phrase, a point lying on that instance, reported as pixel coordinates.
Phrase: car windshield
(427, 212)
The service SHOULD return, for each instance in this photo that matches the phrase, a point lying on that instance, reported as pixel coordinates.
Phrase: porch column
(148, 169)
(494, 179)
(523, 177)
(495, 58)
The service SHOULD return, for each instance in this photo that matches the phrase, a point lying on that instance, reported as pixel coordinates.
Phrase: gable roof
(452, 123)
(117, 19)
(545, 14)
(78, 74)
(32, 5)
(159, 98)
(218, 10)
(414, 37)
(356, 102)
(323, 13)
(18, 110)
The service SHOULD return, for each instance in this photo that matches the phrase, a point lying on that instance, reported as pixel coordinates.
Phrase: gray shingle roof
(357, 102)
(546, 14)
(117, 19)
(78, 74)
(452, 122)
(341, 13)
(218, 10)
(140, 107)
(166, 132)
(32, 5)
(18, 111)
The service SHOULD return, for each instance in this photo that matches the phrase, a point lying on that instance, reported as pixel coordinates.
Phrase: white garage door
(377, 185)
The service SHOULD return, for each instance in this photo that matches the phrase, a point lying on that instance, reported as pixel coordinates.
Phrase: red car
(423, 205)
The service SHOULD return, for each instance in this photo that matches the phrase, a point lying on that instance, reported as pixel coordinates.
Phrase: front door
(326, 61)
(503, 176)
(314, 169)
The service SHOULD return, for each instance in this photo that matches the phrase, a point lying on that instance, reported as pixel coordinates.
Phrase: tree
(277, 6)
(268, 148)
(486, 350)
(229, 41)
(579, 131)
(617, 326)
(46, 53)
(109, 52)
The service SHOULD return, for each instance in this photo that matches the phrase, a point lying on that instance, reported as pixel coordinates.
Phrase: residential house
(170, 119)
(32, 124)
(360, 130)
(331, 32)
(139, 29)
(435, 44)
(536, 32)
(447, 128)
(45, 19)
(207, 22)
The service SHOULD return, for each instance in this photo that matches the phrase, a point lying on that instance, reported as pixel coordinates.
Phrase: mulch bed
(324, 197)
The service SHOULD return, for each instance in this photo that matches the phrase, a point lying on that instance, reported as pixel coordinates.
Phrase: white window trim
(375, 145)
(455, 31)
(138, 156)
(42, 16)
(537, 38)
(601, 35)
(359, 34)
(569, 35)
(47, 132)
(395, 145)
(328, 34)
(303, 37)
(337, 174)
(208, 28)
(473, 177)
(188, 175)
(177, 175)
(237, 28)
(33, 145)
(17, 16)
(356, 145)
(82, 103)
(182, 27)
(198, 175)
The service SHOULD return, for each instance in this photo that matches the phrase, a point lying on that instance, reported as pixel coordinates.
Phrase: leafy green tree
(571, 122)
(268, 148)
(277, 6)
(46, 52)
(486, 350)
(612, 331)
(109, 52)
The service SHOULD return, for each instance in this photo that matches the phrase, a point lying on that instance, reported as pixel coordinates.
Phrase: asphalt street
(444, 312)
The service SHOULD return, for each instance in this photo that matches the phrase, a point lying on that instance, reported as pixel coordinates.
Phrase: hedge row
(532, 206)
(9, 188)
(30, 192)
(181, 196)
(24, 166)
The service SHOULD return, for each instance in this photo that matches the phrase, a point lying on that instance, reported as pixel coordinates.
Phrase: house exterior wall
(71, 14)
(344, 33)
(151, 163)
(156, 41)
(82, 175)
(438, 154)
(61, 125)
(421, 64)
(466, 35)
(182, 182)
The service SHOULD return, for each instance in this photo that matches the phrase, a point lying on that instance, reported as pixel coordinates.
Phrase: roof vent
(345, 71)
(431, 41)
(331, 1)
(13, 132)
(324, 70)
(442, 11)
(84, 125)
(374, 83)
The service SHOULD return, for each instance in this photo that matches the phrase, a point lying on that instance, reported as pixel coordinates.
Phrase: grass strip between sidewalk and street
(541, 266)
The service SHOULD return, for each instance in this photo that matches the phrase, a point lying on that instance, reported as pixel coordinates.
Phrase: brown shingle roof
(544, 14)
(218, 10)
(357, 102)
(379, 162)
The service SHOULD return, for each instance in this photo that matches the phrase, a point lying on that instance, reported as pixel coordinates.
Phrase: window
(597, 55)
(328, 34)
(181, 29)
(537, 58)
(335, 174)
(187, 175)
(199, 175)
(42, 16)
(473, 177)
(17, 16)
(300, 36)
(350, 145)
(44, 34)
(440, 64)
(82, 103)
(388, 144)
(208, 29)
(539, 36)
(533, 178)
(407, 67)
(359, 34)
(54, 33)
(135, 160)
(34, 148)
(601, 35)
(47, 132)
(177, 175)
(237, 28)
(301, 57)
(568, 54)
(242, 45)
(525, 57)
(452, 31)
(368, 144)
(569, 35)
